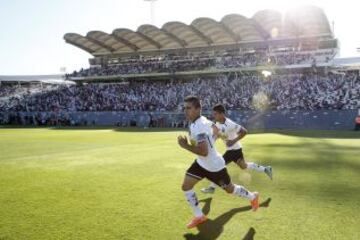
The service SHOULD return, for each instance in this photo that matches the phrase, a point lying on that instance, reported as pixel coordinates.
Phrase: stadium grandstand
(302, 37)
(272, 70)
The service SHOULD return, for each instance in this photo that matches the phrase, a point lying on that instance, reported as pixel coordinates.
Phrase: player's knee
(229, 188)
(242, 164)
(185, 187)
(228, 191)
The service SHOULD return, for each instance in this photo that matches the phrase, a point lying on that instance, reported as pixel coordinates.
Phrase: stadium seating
(185, 63)
(309, 91)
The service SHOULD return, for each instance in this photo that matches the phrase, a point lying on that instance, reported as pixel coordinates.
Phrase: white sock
(213, 185)
(243, 192)
(193, 202)
(256, 167)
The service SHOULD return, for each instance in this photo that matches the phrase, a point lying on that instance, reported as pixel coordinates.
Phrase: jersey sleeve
(199, 134)
(235, 127)
(201, 137)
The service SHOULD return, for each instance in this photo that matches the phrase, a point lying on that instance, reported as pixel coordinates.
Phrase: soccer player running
(231, 133)
(208, 164)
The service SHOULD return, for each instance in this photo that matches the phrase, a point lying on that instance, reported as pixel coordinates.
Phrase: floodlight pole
(152, 10)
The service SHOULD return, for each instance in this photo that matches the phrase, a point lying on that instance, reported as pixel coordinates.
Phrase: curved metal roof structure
(214, 30)
(191, 36)
(205, 32)
(270, 21)
(307, 20)
(242, 27)
(138, 39)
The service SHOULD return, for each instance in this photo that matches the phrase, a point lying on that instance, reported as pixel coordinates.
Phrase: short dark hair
(195, 101)
(219, 108)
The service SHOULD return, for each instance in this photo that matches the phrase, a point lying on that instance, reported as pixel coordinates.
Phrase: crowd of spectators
(201, 62)
(308, 91)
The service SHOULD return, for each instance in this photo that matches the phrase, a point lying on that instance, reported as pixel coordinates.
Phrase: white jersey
(229, 131)
(200, 131)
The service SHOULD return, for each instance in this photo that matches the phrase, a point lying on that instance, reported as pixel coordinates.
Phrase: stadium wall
(267, 120)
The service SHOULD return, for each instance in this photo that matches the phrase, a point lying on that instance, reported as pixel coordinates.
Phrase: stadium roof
(29, 78)
(205, 32)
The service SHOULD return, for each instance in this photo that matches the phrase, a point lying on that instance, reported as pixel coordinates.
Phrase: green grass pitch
(125, 184)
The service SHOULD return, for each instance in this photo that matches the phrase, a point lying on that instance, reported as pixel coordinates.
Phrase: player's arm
(240, 135)
(199, 149)
(216, 131)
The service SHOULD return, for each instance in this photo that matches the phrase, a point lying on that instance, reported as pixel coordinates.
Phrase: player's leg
(187, 187)
(241, 191)
(193, 175)
(240, 161)
(222, 179)
(211, 188)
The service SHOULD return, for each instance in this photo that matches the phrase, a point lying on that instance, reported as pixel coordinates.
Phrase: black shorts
(220, 178)
(233, 156)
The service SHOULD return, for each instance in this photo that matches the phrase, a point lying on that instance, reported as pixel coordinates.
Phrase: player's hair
(195, 101)
(219, 108)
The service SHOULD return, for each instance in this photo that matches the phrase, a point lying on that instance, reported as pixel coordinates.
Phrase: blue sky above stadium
(32, 31)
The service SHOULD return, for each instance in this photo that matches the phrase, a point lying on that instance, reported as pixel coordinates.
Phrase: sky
(31, 31)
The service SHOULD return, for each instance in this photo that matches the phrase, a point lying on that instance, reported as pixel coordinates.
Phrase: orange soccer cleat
(255, 202)
(196, 221)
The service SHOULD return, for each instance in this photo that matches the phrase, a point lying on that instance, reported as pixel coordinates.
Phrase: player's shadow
(212, 228)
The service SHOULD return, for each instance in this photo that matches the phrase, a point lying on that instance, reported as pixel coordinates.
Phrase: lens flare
(266, 73)
(260, 101)
(274, 32)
